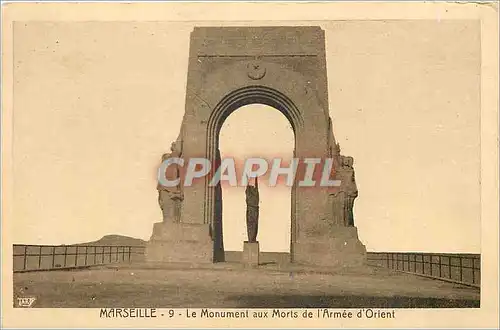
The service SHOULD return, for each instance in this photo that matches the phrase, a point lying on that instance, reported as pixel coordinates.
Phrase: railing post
(102, 254)
(473, 270)
(430, 262)
(439, 261)
(65, 254)
(86, 250)
(76, 256)
(40, 257)
(25, 261)
(461, 269)
(449, 267)
(53, 257)
(129, 253)
(110, 248)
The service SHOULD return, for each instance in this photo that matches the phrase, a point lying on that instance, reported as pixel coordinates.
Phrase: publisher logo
(25, 301)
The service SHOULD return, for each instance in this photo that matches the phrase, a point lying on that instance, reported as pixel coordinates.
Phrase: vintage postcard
(280, 165)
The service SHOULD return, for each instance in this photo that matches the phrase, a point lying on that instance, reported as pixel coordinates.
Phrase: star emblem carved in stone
(256, 70)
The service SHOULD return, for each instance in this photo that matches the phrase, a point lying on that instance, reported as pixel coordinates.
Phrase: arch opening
(235, 100)
(254, 130)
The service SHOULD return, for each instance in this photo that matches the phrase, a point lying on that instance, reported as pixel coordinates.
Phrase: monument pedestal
(340, 247)
(180, 242)
(250, 254)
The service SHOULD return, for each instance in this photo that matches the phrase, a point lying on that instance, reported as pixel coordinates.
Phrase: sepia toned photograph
(191, 169)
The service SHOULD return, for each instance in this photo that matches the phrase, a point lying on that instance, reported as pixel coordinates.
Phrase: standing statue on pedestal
(170, 198)
(349, 188)
(341, 201)
(252, 199)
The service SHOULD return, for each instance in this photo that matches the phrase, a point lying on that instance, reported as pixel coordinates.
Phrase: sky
(96, 104)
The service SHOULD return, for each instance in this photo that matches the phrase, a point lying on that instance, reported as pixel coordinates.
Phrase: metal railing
(457, 268)
(50, 257)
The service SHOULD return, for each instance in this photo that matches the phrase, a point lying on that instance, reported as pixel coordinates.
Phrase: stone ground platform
(231, 285)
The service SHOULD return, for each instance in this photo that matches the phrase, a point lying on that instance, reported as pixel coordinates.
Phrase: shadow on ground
(305, 301)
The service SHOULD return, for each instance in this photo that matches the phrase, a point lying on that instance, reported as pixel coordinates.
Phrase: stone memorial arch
(285, 68)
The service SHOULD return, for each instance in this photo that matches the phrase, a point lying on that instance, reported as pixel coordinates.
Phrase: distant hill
(114, 240)
(114, 248)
